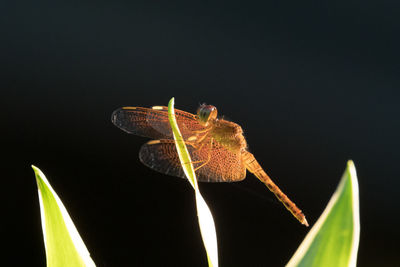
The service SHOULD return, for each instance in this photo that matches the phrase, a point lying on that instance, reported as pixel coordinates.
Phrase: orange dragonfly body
(217, 147)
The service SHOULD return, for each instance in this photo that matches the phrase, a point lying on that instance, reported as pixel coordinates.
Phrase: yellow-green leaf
(206, 221)
(333, 240)
(64, 246)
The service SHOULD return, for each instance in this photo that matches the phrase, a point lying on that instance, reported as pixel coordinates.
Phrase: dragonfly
(217, 147)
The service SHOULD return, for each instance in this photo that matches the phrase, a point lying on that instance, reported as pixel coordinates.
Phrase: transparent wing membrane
(216, 163)
(153, 122)
(134, 121)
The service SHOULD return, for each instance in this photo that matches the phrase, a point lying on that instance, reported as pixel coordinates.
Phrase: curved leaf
(206, 222)
(333, 240)
(64, 246)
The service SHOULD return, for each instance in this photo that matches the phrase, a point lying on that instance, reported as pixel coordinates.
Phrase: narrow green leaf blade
(333, 240)
(206, 221)
(64, 246)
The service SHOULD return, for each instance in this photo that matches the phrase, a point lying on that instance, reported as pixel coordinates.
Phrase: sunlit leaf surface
(333, 240)
(64, 246)
(206, 221)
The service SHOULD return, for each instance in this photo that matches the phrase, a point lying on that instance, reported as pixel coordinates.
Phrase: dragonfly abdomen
(254, 167)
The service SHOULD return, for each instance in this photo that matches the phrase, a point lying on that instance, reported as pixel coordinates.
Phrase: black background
(312, 84)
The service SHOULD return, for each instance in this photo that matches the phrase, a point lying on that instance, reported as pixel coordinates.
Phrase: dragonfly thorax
(229, 135)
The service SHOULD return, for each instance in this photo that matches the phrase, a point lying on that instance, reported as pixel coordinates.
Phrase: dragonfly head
(206, 113)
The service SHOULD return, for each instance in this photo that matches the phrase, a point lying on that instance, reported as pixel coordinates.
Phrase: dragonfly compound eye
(206, 113)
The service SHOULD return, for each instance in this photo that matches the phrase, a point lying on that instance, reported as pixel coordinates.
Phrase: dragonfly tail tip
(304, 221)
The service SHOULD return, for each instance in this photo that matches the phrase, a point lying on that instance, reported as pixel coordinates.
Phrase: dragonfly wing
(153, 122)
(134, 121)
(161, 156)
(187, 122)
(220, 164)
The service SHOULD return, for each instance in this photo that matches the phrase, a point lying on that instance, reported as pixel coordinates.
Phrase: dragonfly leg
(194, 143)
(208, 157)
(201, 143)
(202, 131)
(195, 162)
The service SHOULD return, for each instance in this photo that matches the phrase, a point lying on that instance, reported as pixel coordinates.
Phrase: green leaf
(64, 246)
(206, 221)
(333, 240)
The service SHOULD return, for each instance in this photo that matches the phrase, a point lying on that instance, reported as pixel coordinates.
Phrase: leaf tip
(352, 168)
(37, 171)
(40, 177)
(350, 164)
(171, 102)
